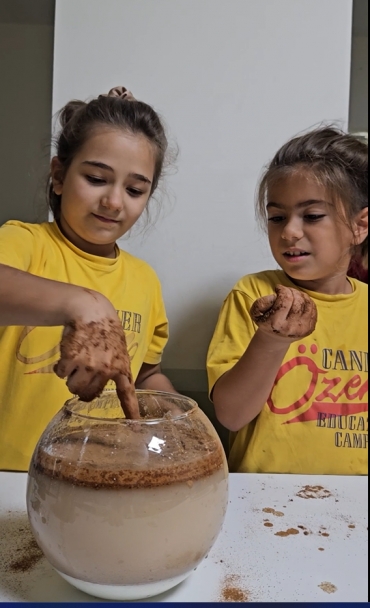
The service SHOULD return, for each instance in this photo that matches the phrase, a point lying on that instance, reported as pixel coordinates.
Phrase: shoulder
(22, 245)
(139, 267)
(361, 288)
(24, 229)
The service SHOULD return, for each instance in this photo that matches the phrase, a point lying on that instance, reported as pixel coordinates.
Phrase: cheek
(273, 234)
(137, 208)
(77, 196)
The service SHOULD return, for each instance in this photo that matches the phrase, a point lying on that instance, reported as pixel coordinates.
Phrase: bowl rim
(75, 399)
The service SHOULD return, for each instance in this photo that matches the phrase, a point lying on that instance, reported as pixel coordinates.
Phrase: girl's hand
(289, 314)
(93, 350)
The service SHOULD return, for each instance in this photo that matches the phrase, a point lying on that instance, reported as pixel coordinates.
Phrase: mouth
(106, 220)
(293, 255)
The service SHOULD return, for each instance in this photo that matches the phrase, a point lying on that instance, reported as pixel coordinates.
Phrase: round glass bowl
(127, 509)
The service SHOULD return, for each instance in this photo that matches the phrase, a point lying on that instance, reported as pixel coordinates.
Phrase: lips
(107, 220)
(295, 254)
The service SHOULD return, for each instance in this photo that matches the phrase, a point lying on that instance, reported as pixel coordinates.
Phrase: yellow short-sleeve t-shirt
(30, 392)
(316, 417)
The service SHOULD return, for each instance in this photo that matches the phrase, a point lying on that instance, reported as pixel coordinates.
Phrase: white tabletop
(315, 550)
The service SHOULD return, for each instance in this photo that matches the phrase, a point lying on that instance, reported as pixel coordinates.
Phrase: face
(105, 189)
(308, 239)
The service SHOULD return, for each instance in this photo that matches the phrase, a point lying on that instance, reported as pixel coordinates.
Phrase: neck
(107, 250)
(334, 285)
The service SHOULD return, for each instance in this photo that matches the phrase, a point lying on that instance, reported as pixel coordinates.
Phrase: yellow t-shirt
(30, 392)
(315, 420)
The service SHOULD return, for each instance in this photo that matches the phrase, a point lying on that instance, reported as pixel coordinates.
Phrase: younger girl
(71, 274)
(287, 365)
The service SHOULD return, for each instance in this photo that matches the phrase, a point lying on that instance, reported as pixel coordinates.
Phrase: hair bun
(121, 93)
(70, 110)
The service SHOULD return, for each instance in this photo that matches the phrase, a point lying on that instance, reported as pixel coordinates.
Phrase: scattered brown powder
(268, 524)
(19, 556)
(273, 512)
(232, 591)
(233, 594)
(313, 492)
(287, 532)
(352, 526)
(327, 587)
(29, 557)
(18, 548)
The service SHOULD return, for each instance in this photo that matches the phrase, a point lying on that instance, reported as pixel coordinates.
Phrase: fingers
(299, 303)
(292, 313)
(86, 384)
(127, 396)
(65, 367)
(261, 307)
(281, 308)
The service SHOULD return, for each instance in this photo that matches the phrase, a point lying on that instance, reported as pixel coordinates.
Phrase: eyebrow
(308, 203)
(96, 163)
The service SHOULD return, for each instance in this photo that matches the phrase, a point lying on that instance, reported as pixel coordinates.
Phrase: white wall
(234, 79)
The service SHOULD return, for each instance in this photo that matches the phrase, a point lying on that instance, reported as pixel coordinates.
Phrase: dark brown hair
(78, 120)
(338, 161)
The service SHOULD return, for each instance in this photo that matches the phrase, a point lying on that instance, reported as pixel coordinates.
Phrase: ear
(57, 175)
(361, 226)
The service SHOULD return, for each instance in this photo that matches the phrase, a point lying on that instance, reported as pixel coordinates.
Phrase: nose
(292, 230)
(113, 200)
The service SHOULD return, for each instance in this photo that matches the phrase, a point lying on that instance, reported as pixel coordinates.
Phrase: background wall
(26, 61)
(359, 98)
(233, 80)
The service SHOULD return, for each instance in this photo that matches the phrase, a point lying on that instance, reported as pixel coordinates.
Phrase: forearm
(157, 382)
(151, 378)
(240, 394)
(26, 299)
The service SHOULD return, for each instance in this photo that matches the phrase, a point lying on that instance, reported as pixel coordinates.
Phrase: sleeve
(233, 333)
(17, 243)
(160, 330)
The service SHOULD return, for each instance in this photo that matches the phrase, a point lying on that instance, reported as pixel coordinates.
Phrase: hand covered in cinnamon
(93, 352)
(289, 313)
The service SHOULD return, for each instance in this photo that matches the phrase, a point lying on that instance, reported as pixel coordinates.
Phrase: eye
(134, 192)
(276, 219)
(96, 181)
(314, 217)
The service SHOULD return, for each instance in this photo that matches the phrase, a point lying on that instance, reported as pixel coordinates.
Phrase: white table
(322, 558)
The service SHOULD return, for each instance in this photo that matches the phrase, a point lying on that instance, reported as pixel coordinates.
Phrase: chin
(102, 239)
(297, 275)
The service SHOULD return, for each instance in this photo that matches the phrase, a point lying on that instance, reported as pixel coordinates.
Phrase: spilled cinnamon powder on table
(232, 591)
(328, 587)
(314, 492)
(20, 552)
(273, 512)
(29, 557)
(19, 556)
(288, 532)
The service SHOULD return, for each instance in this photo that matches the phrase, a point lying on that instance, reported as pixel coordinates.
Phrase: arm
(26, 299)
(93, 347)
(150, 377)
(240, 394)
